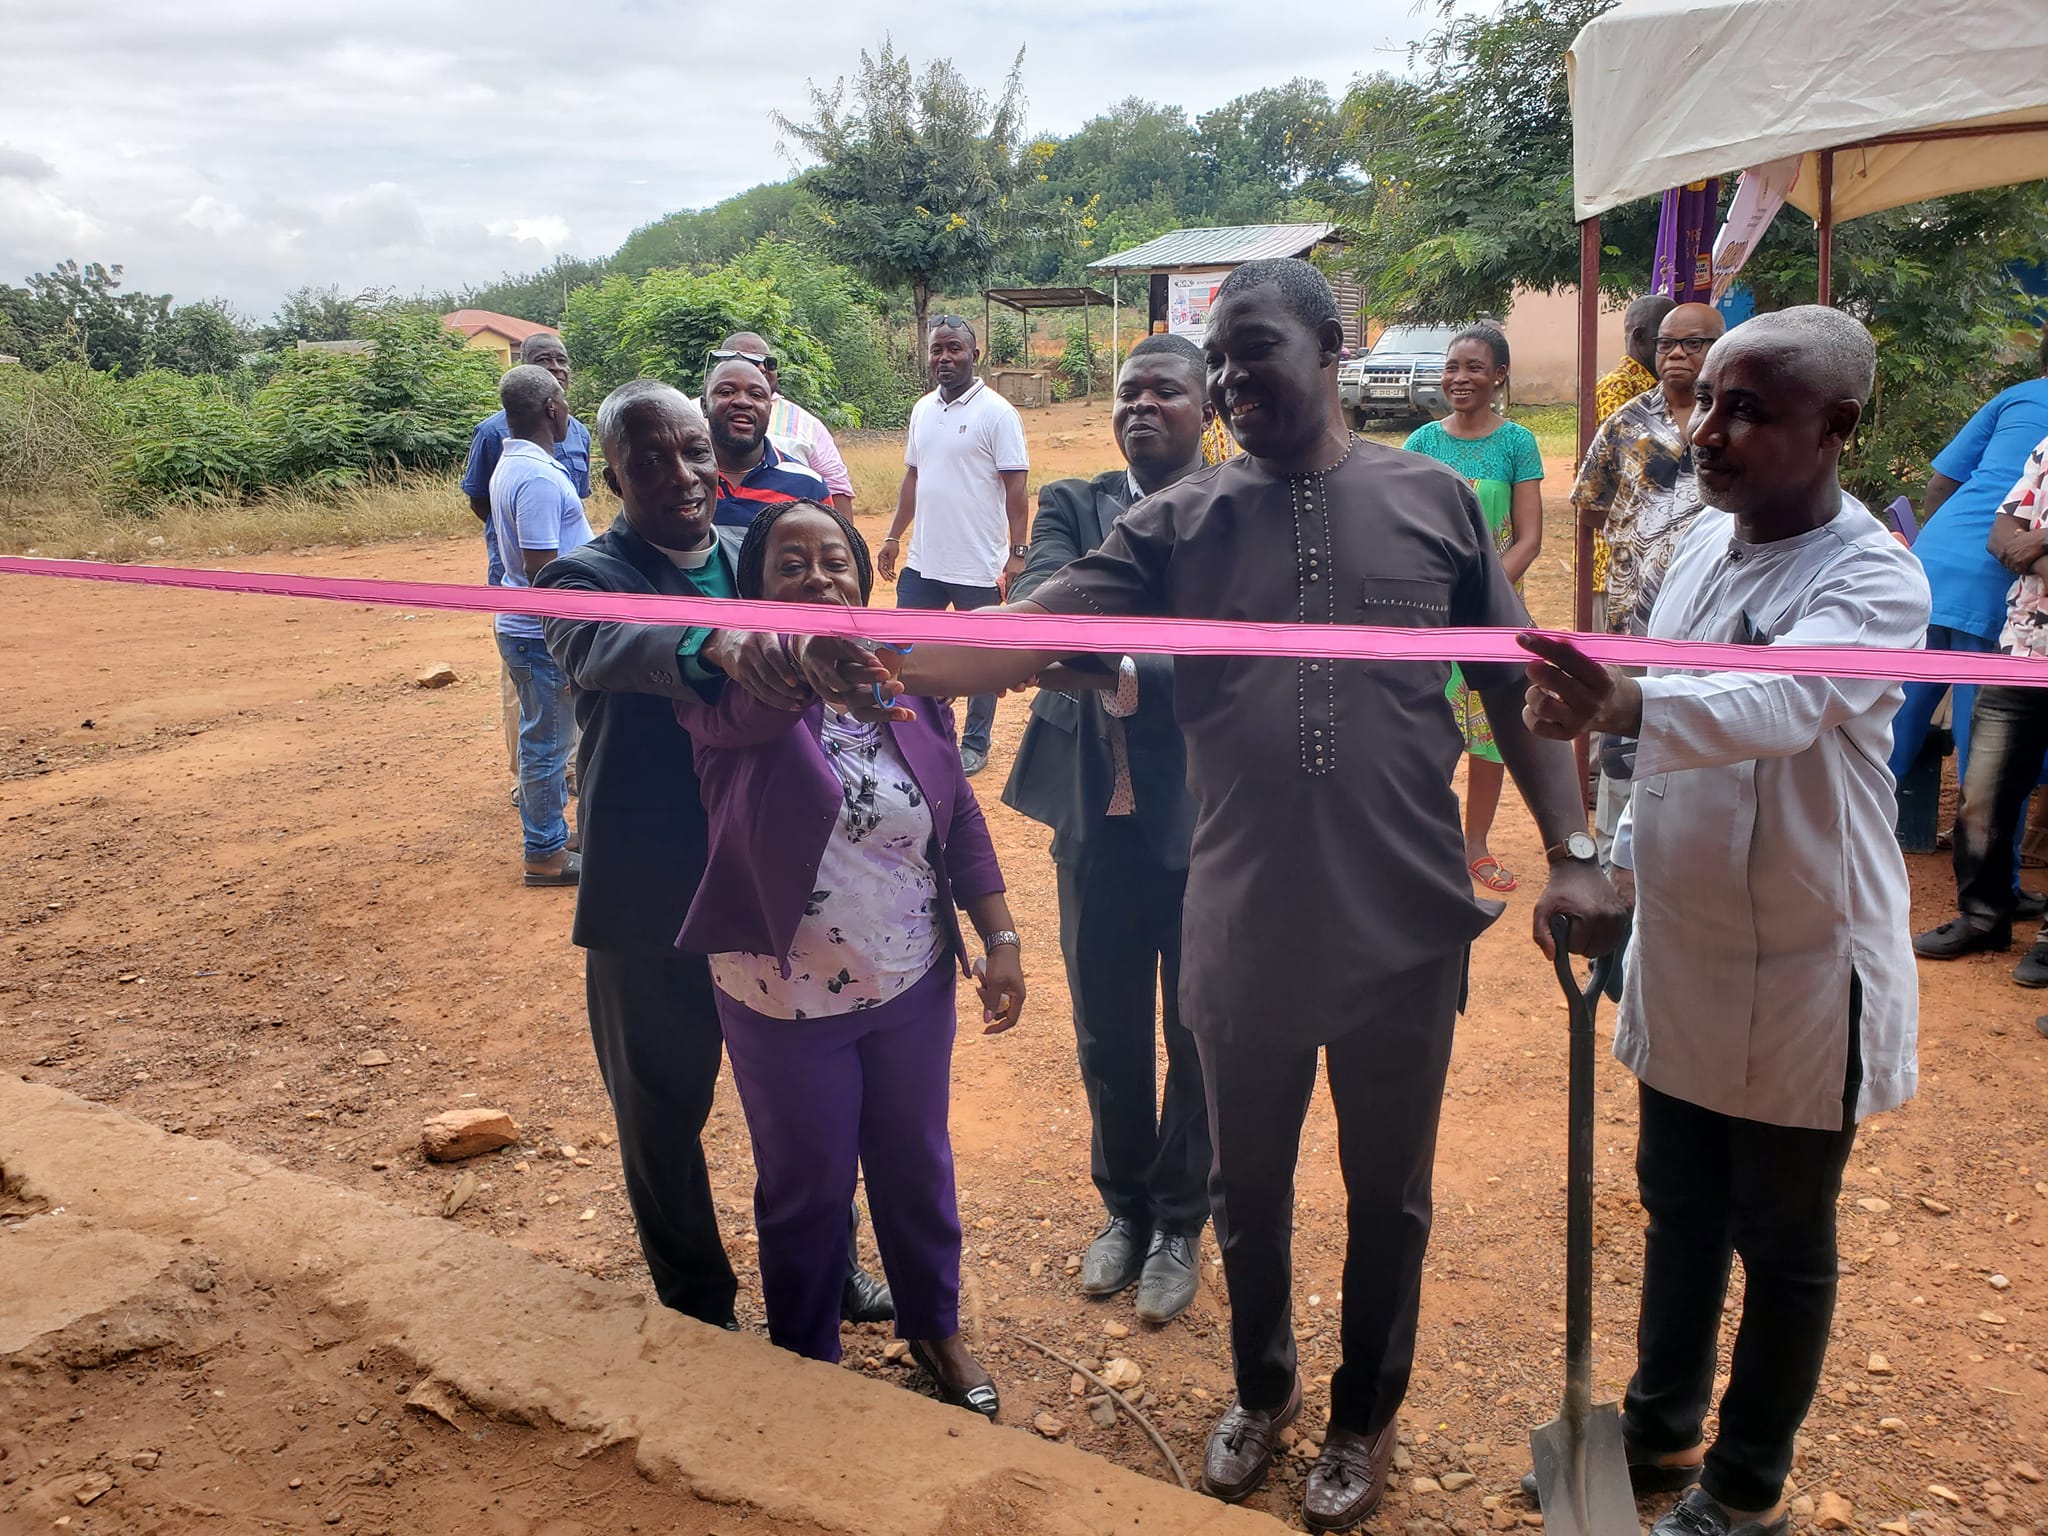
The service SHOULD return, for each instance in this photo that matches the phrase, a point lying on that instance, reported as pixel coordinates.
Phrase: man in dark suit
(1107, 771)
(652, 1018)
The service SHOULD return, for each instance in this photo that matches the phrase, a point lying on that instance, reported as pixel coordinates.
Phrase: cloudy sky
(241, 148)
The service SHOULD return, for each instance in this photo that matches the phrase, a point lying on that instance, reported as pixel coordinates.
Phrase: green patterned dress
(1495, 465)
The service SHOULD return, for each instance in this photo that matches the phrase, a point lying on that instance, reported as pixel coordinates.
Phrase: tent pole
(1827, 226)
(1582, 547)
(1116, 317)
(988, 339)
(1589, 363)
(1088, 341)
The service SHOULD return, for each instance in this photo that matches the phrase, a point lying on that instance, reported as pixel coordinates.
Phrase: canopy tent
(1024, 300)
(1887, 101)
(1917, 98)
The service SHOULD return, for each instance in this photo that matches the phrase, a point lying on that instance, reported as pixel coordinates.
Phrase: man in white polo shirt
(964, 487)
(537, 515)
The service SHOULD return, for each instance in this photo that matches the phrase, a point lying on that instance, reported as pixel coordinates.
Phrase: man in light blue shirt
(536, 515)
(1971, 478)
(543, 349)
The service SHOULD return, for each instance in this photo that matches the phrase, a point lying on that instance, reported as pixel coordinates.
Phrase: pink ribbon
(1077, 633)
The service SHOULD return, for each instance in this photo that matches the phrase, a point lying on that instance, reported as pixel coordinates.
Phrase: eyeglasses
(765, 361)
(1691, 346)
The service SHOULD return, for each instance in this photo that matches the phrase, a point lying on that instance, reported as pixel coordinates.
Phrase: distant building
(1185, 267)
(488, 331)
(352, 348)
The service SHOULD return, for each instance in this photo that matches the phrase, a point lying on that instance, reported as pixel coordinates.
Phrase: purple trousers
(823, 1099)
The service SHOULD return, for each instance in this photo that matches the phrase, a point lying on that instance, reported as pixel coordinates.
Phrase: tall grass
(68, 525)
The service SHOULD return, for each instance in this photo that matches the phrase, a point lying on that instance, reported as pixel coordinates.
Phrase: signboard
(1188, 297)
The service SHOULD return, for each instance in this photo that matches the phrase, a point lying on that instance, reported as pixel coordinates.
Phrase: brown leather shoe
(1348, 1480)
(1240, 1448)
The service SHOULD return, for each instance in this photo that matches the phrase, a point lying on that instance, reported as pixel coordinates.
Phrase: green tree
(1262, 148)
(677, 317)
(422, 392)
(75, 313)
(831, 305)
(317, 314)
(709, 236)
(593, 329)
(919, 181)
(537, 296)
(207, 337)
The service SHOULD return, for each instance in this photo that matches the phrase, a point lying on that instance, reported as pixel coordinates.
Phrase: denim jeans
(915, 591)
(2011, 727)
(544, 738)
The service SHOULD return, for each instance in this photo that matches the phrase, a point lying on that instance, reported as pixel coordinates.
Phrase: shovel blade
(1582, 1476)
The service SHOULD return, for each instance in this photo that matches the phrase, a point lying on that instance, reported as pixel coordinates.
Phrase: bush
(1005, 342)
(1077, 364)
(189, 439)
(62, 428)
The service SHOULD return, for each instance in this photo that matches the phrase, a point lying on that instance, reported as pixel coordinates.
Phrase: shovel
(1581, 1465)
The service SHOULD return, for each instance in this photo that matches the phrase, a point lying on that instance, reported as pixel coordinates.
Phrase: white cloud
(241, 148)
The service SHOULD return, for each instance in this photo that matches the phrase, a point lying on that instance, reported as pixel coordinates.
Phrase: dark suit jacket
(773, 801)
(642, 822)
(1065, 768)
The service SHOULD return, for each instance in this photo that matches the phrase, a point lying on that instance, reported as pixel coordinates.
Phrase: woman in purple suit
(838, 852)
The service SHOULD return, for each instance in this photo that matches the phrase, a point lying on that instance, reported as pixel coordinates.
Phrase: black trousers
(1715, 1186)
(1387, 1085)
(2008, 737)
(655, 1027)
(1120, 934)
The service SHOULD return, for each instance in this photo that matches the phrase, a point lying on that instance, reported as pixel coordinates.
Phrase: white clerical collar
(693, 560)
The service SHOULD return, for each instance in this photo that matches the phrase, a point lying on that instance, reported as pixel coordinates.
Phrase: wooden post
(1116, 317)
(988, 338)
(1827, 226)
(1088, 342)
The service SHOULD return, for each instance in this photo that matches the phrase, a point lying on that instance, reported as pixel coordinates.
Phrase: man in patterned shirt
(2006, 725)
(1636, 473)
(1629, 378)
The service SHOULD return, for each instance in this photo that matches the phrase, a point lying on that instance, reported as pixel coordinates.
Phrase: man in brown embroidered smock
(1328, 908)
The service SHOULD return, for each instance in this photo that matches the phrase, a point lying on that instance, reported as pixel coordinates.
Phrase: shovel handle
(1578, 1247)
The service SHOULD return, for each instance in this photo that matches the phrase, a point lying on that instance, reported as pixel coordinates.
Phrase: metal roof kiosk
(1186, 266)
(1887, 102)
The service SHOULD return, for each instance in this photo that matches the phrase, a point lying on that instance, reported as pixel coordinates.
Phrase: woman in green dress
(1502, 461)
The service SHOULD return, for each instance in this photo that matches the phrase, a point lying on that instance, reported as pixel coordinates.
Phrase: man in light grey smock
(1771, 999)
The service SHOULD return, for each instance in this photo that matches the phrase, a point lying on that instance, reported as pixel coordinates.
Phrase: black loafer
(981, 1398)
(2029, 907)
(1961, 936)
(1698, 1515)
(864, 1299)
(1116, 1258)
(2032, 971)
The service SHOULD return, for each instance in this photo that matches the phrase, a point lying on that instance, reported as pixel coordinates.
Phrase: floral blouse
(2026, 605)
(871, 927)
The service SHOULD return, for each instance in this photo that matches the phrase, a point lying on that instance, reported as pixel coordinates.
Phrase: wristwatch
(1578, 846)
(998, 940)
(1021, 551)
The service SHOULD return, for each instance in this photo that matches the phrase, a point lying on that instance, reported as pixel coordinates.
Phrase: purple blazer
(772, 801)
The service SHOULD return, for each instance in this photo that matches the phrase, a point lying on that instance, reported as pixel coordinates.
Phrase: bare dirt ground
(262, 888)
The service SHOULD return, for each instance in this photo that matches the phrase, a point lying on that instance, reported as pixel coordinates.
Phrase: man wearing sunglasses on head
(796, 433)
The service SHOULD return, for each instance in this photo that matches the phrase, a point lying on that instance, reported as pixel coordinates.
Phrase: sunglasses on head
(765, 361)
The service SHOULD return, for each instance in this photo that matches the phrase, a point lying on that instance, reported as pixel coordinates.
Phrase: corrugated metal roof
(1225, 247)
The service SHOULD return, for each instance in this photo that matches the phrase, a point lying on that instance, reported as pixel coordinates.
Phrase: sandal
(980, 1398)
(1498, 880)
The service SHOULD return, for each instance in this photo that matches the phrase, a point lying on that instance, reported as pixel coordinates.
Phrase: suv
(1401, 378)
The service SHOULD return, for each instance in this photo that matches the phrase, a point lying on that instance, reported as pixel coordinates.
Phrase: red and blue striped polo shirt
(778, 477)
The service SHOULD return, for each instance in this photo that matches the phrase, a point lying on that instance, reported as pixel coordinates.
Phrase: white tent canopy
(1917, 98)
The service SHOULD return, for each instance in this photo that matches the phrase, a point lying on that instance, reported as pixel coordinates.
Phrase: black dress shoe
(1240, 1448)
(1168, 1281)
(1348, 1480)
(864, 1299)
(1961, 936)
(2029, 907)
(2032, 971)
(1698, 1515)
(1115, 1259)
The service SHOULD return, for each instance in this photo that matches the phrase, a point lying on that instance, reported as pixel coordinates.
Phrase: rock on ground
(461, 1133)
